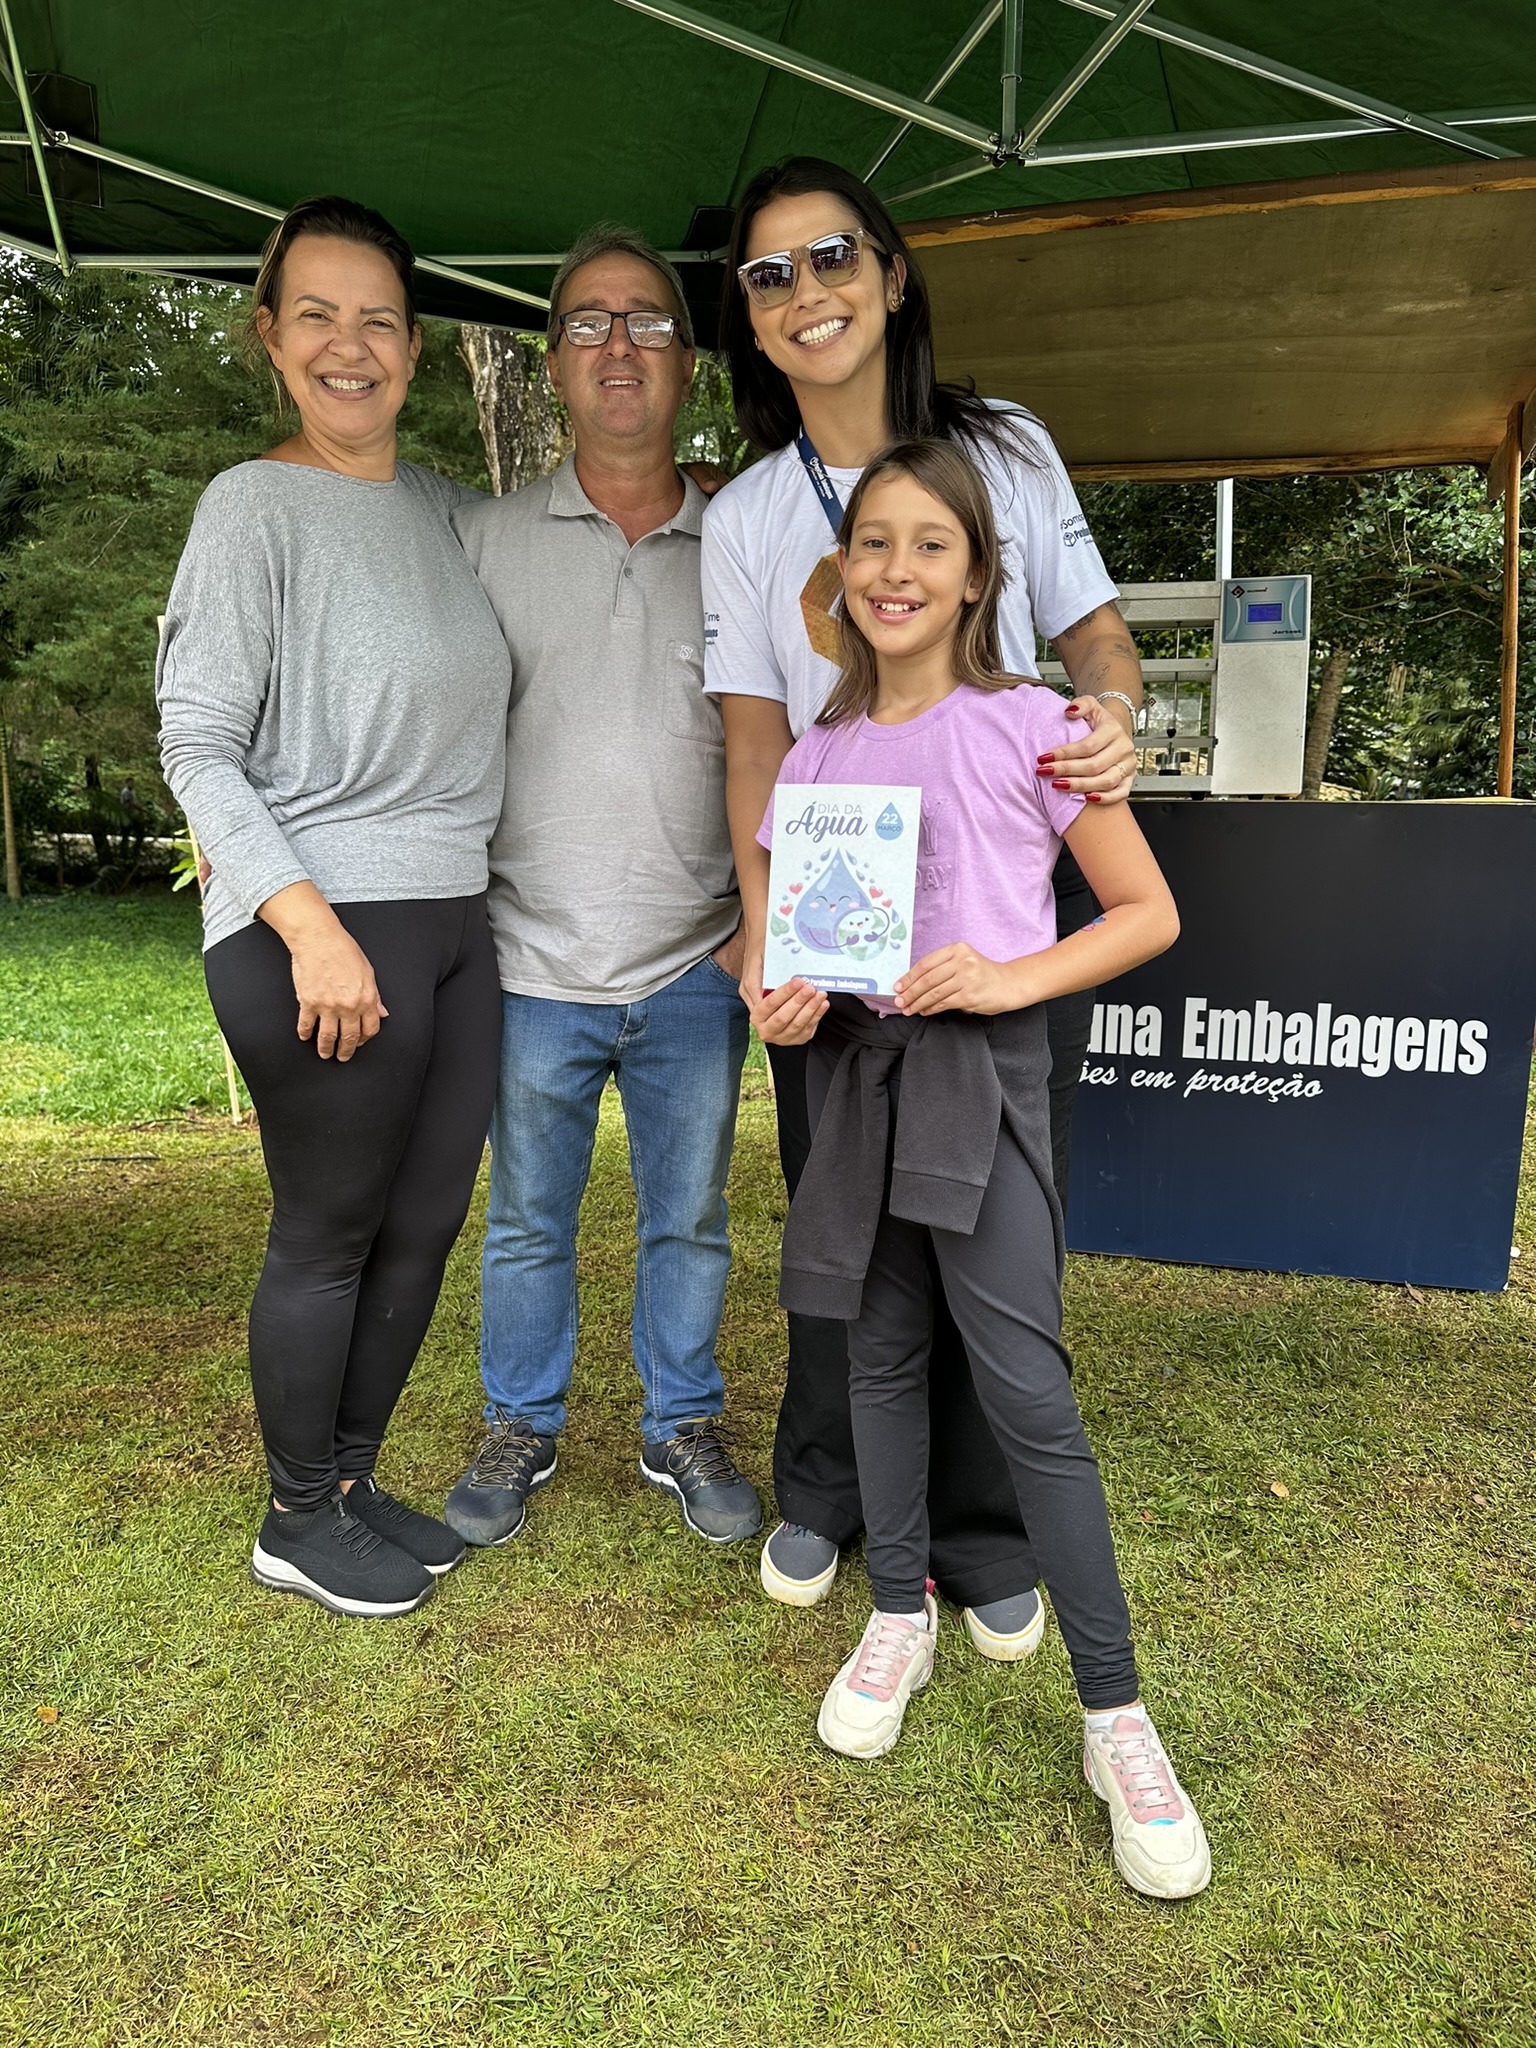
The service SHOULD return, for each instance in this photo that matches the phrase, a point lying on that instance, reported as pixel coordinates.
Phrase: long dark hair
(947, 473)
(918, 405)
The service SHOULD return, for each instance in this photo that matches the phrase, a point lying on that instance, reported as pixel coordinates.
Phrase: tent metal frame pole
(182, 183)
(1352, 102)
(952, 63)
(18, 85)
(1509, 650)
(39, 250)
(744, 44)
(1191, 142)
(1225, 493)
(1013, 57)
(1103, 46)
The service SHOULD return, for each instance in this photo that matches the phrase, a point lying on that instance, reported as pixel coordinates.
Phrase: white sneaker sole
(1178, 1881)
(1005, 1649)
(794, 1592)
(278, 1576)
(669, 1485)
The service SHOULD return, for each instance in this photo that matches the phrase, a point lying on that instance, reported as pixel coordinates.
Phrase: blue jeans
(676, 1057)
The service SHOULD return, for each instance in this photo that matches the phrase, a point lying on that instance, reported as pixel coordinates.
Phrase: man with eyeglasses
(614, 906)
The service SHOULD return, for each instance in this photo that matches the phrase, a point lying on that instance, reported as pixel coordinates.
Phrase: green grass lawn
(579, 1798)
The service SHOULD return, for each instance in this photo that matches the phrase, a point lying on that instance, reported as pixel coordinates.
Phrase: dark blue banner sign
(1329, 1072)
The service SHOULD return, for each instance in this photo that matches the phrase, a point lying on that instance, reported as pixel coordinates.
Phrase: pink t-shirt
(991, 827)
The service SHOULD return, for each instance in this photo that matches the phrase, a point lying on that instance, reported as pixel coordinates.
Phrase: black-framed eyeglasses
(591, 328)
(833, 259)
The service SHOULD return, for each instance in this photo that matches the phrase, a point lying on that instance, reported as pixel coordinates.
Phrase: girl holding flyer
(828, 332)
(932, 1128)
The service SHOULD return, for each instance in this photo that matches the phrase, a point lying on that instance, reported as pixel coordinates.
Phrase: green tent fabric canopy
(162, 135)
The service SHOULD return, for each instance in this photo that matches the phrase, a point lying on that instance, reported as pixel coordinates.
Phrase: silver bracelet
(1119, 697)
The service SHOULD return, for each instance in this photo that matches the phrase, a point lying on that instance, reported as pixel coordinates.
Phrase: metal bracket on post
(18, 83)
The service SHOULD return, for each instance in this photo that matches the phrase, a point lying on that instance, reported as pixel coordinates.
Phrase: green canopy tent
(168, 137)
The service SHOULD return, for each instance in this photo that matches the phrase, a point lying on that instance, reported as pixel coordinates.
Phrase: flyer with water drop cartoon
(841, 882)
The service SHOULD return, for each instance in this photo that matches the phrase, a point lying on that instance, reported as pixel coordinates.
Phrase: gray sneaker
(717, 1503)
(797, 1566)
(490, 1503)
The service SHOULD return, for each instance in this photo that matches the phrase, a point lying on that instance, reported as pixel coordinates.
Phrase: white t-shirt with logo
(770, 572)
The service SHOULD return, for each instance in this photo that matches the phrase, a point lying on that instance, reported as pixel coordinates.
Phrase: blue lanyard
(821, 483)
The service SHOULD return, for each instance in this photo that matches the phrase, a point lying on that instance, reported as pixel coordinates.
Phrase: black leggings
(980, 1551)
(372, 1164)
(1001, 1284)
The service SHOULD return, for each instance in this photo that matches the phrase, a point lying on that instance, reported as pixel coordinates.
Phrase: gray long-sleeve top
(333, 687)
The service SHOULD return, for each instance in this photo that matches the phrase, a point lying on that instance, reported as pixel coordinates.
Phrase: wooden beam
(1509, 665)
(1280, 195)
(1525, 433)
(1212, 468)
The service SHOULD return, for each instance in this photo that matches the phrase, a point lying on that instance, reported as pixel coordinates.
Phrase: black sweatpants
(980, 1550)
(372, 1163)
(1002, 1288)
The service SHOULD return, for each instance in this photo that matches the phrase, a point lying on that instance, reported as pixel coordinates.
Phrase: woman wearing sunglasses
(827, 328)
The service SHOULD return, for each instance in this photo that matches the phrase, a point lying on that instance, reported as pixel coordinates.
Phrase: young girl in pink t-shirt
(932, 1141)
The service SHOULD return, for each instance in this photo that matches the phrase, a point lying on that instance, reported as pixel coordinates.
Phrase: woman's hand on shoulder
(1103, 764)
(957, 977)
(789, 1014)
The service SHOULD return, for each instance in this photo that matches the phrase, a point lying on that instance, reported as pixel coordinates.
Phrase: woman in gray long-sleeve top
(333, 689)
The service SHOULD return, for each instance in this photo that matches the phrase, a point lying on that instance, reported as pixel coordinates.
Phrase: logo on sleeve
(1075, 530)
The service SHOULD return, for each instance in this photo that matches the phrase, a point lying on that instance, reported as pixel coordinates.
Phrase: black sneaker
(423, 1537)
(490, 1503)
(695, 1465)
(332, 1556)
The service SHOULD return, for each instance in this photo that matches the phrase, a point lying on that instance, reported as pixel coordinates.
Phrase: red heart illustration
(785, 909)
(795, 888)
(876, 894)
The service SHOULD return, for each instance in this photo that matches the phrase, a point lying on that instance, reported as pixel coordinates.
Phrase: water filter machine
(1225, 711)
(1228, 717)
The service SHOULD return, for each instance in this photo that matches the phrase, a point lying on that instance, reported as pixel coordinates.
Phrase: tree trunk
(96, 805)
(1325, 708)
(12, 855)
(519, 423)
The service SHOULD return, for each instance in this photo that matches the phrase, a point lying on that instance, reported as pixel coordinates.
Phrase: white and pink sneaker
(863, 1710)
(1159, 1844)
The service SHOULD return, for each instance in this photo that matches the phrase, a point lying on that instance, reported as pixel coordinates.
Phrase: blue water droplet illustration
(826, 902)
(889, 823)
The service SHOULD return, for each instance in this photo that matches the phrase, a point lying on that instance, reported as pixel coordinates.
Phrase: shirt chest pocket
(686, 712)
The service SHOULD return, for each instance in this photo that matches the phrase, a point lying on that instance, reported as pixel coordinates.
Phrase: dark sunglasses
(833, 259)
(591, 329)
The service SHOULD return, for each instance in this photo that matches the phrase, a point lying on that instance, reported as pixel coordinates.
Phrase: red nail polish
(1045, 760)
(1061, 785)
(1094, 797)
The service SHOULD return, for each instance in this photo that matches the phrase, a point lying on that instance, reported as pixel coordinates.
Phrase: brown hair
(948, 474)
(349, 221)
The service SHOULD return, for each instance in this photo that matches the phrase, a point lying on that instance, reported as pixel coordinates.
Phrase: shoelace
(882, 1653)
(352, 1533)
(385, 1506)
(506, 1457)
(1140, 1763)
(703, 1454)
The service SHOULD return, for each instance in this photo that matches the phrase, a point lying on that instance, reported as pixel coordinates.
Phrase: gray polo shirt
(611, 868)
